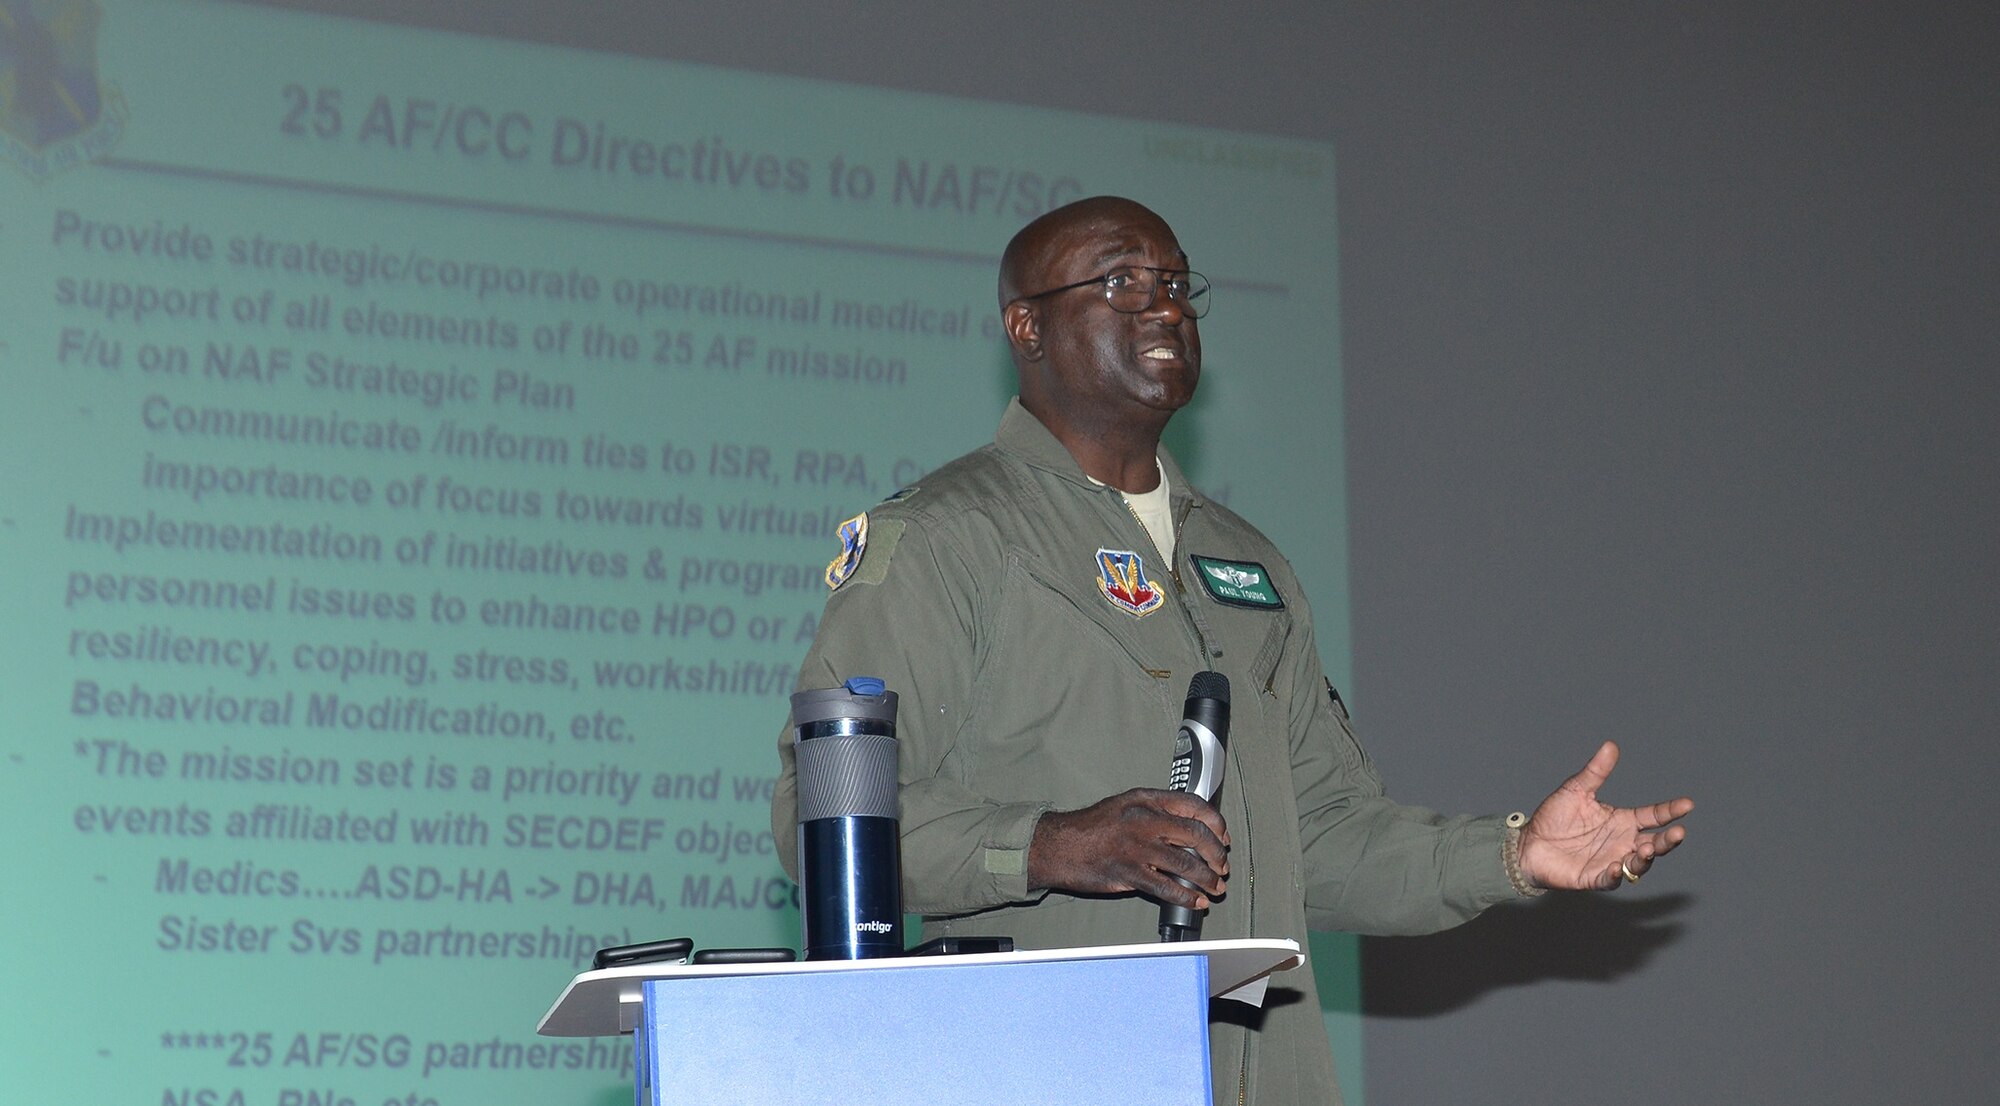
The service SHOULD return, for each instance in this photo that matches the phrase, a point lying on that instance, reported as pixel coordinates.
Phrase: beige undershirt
(1154, 512)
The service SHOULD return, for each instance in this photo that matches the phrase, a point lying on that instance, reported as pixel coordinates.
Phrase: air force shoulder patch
(853, 542)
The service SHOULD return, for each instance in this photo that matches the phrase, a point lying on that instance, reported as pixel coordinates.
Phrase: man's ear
(1024, 329)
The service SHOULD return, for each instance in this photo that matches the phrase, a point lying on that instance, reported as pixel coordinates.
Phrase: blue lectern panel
(1074, 1033)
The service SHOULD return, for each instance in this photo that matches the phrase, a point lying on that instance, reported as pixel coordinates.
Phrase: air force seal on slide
(1121, 576)
(853, 541)
(56, 112)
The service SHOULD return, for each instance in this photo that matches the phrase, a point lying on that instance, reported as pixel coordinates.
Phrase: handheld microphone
(1197, 771)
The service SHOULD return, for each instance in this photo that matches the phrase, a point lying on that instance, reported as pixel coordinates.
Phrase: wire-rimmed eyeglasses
(1133, 288)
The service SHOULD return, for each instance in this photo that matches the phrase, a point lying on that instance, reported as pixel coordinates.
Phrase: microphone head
(1203, 731)
(1209, 685)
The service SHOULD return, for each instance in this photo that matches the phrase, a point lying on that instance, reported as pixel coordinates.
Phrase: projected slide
(422, 457)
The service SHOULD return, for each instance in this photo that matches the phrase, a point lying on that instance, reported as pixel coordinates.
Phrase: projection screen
(424, 457)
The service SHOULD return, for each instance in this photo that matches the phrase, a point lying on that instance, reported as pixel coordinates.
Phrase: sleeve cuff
(1488, 867)
(1510, 856)
(1003, 853)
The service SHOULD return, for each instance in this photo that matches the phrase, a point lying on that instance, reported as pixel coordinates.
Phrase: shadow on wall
(1563, 936)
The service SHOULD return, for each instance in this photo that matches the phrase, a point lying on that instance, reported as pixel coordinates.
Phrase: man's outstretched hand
(1576, 842)
(1134, 841)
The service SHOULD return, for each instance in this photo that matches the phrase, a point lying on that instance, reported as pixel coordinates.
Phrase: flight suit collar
(1022, 435)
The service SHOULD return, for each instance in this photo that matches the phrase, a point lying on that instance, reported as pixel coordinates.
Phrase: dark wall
(1671, 343)
(1671, 359)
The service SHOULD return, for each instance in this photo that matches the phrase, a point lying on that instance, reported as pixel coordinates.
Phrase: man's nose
(1171, 310)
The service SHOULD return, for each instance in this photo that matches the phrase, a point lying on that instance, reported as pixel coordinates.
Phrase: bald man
(1040, 605)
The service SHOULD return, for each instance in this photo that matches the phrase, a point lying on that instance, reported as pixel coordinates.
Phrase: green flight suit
(1025, 688)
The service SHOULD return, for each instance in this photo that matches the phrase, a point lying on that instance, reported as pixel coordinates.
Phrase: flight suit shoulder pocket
(1349, 744)
(1264, 669)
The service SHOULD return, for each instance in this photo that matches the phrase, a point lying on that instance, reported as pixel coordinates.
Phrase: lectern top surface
(605, 1002)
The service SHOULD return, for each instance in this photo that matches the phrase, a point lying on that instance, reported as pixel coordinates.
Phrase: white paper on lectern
(1251, 993)
(605, 1002)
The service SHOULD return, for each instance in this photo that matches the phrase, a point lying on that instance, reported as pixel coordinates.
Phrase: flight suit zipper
(1201, 644)
(1173, 570)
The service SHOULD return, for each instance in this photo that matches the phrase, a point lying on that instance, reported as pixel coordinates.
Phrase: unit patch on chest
(1237, 583)
(1121, 576)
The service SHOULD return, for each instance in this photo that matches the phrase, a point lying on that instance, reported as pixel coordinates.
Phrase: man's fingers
(1659, 814)
(1138, 840)
(1184, 822)
(1593, 774)
(1659, 844)
(1194, 868)
(1166, 874)
(1164, 890)
(1183, 845)
(1180, 804)
(1135, 843)
(1196, 839)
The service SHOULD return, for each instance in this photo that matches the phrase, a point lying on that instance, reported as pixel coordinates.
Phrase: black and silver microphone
(1197, 771)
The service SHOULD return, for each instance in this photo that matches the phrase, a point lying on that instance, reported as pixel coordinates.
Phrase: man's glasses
(1134, 288)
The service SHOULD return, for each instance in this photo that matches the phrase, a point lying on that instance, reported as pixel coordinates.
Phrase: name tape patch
(1237, 583)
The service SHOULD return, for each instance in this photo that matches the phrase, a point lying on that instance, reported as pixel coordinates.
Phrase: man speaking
(1041, 605)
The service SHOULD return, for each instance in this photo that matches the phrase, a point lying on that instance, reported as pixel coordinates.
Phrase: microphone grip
(1178, 923)
(1197, 770)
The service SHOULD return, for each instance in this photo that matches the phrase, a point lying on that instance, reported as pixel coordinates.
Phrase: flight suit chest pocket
(1251, 641)
(1062, 605)
(1069, 711)
(1241, 612)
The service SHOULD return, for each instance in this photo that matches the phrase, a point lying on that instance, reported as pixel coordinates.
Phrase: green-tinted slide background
(235, 123)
